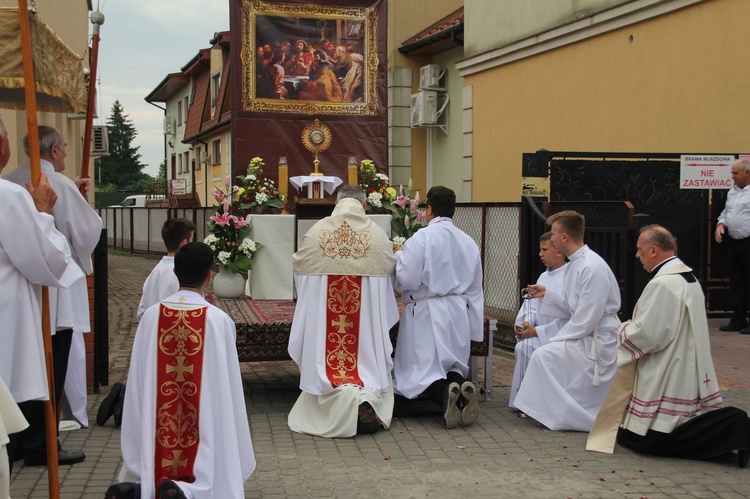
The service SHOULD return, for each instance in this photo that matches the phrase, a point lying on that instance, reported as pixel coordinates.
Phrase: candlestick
(283, 177)
(353, 174)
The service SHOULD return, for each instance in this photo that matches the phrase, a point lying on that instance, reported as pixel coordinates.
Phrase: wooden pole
(36, 173)
(93, 63)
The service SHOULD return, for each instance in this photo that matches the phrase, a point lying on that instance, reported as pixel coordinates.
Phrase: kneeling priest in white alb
(345, 309)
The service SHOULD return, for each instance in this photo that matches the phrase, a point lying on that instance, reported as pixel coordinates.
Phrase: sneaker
(470, 411)
(451, 412)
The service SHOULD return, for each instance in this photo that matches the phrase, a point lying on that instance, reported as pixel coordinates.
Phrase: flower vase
(248, 284)
(227, 284)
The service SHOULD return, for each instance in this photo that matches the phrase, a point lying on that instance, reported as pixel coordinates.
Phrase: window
(186, 161)
(179, 163)
(216, 152)
(215, 82)
(186, 108)
(198, 160)
(179, 113)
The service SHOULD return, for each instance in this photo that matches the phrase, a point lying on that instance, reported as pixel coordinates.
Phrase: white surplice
(365, 251)
(225, 457)
(675, 378)
(567, 379)
(82, 227)
(159, 284)
(546, 327)
(32, 253)
(439, 272)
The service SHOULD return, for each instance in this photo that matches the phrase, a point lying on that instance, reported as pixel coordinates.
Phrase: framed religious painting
(309, 59)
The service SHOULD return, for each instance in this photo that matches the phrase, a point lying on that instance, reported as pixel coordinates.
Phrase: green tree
(123, 166)
(162, 169)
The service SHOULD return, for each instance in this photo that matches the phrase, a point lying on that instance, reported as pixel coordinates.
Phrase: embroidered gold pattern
(345, 243)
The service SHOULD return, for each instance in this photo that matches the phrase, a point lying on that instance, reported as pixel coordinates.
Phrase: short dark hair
(174, 231)
(442, 200)
(192, 263)
(547, 236)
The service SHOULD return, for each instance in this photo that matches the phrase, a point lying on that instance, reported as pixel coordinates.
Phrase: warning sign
(706, 172)
(536, 187)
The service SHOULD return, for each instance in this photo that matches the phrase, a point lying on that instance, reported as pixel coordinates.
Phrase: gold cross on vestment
(180, 368)
(182, 299)
(175, 463)
(342, 324)
(343, 377)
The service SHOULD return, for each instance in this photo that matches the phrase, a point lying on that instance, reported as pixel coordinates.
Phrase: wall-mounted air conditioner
(99, 141)
(424, 108)
(430, 76)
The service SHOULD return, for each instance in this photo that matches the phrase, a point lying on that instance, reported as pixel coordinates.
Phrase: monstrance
(316, 137)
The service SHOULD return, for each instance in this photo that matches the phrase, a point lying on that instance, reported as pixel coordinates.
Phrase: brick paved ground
(500, 456)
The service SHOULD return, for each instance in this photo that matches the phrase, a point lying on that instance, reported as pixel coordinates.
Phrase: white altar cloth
(329, 183)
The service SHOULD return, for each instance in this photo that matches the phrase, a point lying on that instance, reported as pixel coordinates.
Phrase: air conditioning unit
(99, 141)
(424, 108)
(429, 77)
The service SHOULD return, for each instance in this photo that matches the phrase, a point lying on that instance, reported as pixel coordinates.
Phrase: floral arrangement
(257, 190)
(375, 185)
(407, 217)
(229, 235)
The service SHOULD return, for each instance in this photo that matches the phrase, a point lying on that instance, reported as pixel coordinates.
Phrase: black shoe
(743, 456)
(118, 408)
(123, 490)
(733, 326)
(170, 490)
(745, 330)
(107, 408)
(367, 419)
(64, 457)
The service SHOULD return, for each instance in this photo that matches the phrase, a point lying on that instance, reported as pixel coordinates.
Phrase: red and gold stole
(179, 370)
(343, 305)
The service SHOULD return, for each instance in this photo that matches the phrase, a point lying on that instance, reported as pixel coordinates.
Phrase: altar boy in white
(185, 432)
(567, 379)
(339, 336)
(537, 329)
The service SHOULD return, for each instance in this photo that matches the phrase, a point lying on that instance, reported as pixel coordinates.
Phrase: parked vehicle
(134, 201)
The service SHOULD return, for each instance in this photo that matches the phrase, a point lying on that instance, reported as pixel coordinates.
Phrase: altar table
(264, 326)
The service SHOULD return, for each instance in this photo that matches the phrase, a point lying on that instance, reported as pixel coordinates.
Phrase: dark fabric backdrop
(270, 135)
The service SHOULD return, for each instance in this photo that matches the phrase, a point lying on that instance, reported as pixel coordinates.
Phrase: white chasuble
(345, 309)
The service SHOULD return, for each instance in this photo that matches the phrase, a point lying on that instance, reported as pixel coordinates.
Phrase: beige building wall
(671, 83)
(408, 146)
(495, 23)
(69, 20)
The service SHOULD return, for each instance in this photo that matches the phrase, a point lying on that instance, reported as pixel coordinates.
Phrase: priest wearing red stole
(185, 432)
(345, 309)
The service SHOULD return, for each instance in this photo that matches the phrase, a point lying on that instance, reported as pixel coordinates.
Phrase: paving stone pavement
(502, 455)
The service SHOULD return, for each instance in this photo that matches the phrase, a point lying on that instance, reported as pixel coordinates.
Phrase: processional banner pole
(36, 173)
(97, 19)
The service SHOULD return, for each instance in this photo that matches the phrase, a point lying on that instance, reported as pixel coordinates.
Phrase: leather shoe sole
(743, 456)
(745, 330)
(64, 457)
(170, 490)
(123, 490)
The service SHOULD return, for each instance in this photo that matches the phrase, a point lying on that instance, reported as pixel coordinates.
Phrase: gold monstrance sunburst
(316, 137)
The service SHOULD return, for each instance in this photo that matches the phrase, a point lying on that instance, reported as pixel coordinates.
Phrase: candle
(283, 177)
(353, 174)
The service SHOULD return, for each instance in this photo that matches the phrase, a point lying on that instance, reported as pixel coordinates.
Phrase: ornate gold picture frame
(309, 59)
